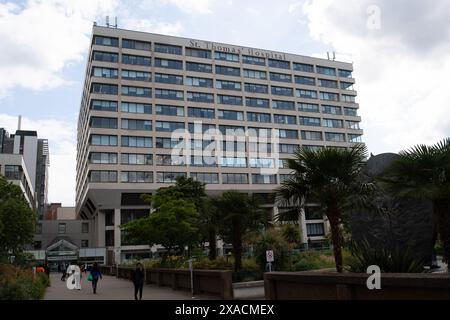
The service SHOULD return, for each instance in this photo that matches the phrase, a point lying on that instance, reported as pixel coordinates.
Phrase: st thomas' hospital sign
(237, 50)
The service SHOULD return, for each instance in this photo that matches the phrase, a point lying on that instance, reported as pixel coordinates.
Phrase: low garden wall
(352, 286)
(214, 282)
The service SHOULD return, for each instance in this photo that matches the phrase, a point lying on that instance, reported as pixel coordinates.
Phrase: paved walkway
(111, 288)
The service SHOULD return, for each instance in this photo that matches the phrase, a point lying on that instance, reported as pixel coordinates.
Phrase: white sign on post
(269, 256)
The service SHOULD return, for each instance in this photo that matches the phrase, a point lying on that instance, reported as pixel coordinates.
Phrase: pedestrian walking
(94, 275)
(137, 277)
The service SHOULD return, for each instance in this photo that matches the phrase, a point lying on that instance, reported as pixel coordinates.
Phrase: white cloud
(152, 26)
(62, 144)
(193, 6)
(401, 78)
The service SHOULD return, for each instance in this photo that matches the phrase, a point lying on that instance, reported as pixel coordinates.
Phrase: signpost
(191, 269)
(270, 259)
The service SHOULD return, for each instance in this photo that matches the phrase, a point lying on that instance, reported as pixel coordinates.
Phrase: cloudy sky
(399, 50)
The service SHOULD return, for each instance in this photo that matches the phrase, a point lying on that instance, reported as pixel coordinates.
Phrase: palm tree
(238, 214)
(423, 172)
(330, 177)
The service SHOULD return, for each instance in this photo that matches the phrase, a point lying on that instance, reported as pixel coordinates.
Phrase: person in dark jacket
(95, 274)
(138, 280)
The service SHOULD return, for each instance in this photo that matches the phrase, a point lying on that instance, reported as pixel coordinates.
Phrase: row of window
(225, 56)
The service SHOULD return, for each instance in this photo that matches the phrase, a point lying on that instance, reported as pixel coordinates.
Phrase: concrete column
(302, 223)
(100, 228)
(117, 242)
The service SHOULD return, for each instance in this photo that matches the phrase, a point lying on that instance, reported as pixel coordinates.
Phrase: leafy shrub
(397, 260)
(313, 260)
(18, 284)
(220, 263)
(272, 240)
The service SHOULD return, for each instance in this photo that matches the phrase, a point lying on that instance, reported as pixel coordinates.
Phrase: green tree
(17, 220)
(238, 214)
(330, 177)
(423, 172)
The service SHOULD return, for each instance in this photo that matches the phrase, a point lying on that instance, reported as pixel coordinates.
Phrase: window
(254, 60)
(328, 96)
(306, 94)
(105, 56)
(354, 138)
(136, 159)
(84, 227)
(106, 41)
(331, 110)
(315, 229)
(169, 110)
(136, 75)
(168, 64)
(168, 143)
(285, 177)
(201, 113)
(136, 45)
(282, 91)
(303, 67)
(107, 123)
(61, 228)
(208, 178)
(102, 88)
(328, 83)
(279, 64)
(168, 177)
(280, 77)
(285, 119)
(312, 135)
(136, 177)
(136, 60)
(103, 176)
(38, 228)
(287, 148)
(348, 98)
(262, 163)
(257, 102)
(346, 85)
(167, 126)
(353, 125)
(231, 130)
(199, 161)
(255, 74)
(137, 91)
(199, 82)
(256, 88)
(198, 67)
(167, 48)
(233, 162)
(132, 107)
(104, 105)
(307, 121)
(201, 127)
(228, 85)
(312, 147)
(137, 142)
(37, 245)
(200, 97)
(283, 105)
(104, 72)
(232, 100)
(12, 172)
(234, 178)
(345, 73)
(84, 243)
(259, 117)
(199, 53)
(103, 158)
(134, 124)
(336, 137)
(333, 123)
(226, 56)
(326, 71)
(170, 160)
(230, 115)
(288, 134)
(202, 144)
(260, 147)
(351, 112)
(229, 71)
(169, 94)
(308, 107)
(103, 140)
(264, 178)
(307, 81)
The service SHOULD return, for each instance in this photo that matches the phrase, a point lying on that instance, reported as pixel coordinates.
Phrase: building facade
(157, 107)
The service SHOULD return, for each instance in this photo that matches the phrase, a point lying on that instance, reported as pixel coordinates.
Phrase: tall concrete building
(251, 107)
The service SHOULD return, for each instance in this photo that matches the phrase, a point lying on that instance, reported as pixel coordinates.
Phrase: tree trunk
(212, 245)
(333, 218)
(441, 209)
(237, 245)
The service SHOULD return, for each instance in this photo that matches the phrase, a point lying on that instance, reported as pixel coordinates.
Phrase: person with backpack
(94, 275)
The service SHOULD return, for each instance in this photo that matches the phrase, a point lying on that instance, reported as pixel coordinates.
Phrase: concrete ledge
(249, 284)
(352, 286)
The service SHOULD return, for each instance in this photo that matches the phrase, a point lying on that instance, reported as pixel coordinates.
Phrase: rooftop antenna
(328, 55)
(115, 22)
(334, 56)
(107, 21)
(19, 124)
